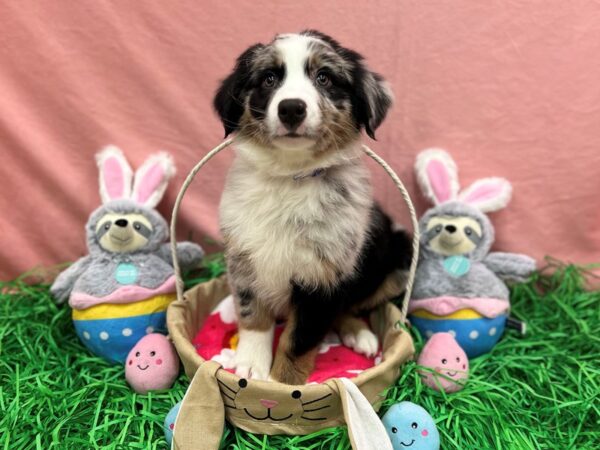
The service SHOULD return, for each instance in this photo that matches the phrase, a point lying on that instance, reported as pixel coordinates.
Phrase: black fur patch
(230, 98)
(316, 309)
(246, 297)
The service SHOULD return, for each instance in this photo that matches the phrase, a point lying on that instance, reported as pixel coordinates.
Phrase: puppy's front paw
(253, 356)
(362, 341)
(256, 368)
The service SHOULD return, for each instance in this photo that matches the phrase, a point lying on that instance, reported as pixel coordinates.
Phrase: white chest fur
(307, 230)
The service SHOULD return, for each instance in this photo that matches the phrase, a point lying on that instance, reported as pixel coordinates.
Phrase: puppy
(303, 237)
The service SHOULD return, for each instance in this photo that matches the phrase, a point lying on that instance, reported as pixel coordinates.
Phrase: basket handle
(226, 143)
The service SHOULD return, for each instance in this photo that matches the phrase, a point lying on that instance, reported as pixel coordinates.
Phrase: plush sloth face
(301, 92)
(453, 235)
(121, 233)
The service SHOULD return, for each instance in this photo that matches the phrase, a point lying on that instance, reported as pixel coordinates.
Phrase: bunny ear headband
(149, 183)
(437, 176)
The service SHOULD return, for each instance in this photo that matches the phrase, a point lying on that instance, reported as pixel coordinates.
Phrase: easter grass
(541, 391)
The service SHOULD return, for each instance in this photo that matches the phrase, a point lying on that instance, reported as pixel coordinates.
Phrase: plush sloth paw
(362, 341)
(255, 366)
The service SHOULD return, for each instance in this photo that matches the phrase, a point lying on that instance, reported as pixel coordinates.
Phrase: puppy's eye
(243, 383)
(296, 394)
(322, 79)
(269, 80)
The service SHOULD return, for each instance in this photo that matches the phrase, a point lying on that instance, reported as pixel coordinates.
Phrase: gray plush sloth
(120, 291)
(459, 286)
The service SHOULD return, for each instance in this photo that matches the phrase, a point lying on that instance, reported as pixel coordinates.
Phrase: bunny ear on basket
(226, 143)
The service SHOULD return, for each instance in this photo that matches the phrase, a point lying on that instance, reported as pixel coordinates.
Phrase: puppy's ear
(229, 101)
(373, 99)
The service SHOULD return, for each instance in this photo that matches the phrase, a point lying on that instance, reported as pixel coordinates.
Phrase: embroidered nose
(449, 228)
(291, 112)
(121, 223)
(268, 403)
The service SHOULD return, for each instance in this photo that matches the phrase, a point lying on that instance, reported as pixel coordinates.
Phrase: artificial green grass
(541, 391)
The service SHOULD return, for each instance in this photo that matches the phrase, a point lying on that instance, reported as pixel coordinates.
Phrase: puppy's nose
(121, 223)
(292, 112)
(449, 228)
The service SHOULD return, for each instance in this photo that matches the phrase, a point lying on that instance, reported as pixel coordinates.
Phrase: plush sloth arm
(63, 285)
(510, 266)
(188, 254)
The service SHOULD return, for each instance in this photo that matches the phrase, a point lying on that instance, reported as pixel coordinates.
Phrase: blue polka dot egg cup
(475, 333)
(110, 330)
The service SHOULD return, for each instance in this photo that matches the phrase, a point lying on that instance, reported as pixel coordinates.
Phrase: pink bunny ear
(151, 179)
(115, 174)
(437, 175)
(488, 194)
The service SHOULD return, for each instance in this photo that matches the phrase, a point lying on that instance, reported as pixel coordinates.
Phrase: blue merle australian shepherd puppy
(304, 240)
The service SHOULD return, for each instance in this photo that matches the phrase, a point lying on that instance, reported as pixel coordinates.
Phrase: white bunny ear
(437, 175)
(488, 194)
(151, 179)
(115, 174)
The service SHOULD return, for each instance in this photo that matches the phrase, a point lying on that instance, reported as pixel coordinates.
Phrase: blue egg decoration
(169, 424)
(410, 426)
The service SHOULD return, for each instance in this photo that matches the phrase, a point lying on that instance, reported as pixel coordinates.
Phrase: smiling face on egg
(445, 357)
(409, 426)
(152, 364)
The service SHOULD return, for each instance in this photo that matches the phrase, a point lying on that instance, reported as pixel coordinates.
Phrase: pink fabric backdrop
(511, 88)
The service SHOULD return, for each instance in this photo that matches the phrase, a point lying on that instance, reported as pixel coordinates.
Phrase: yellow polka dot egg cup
(110, 330)
(475, 333)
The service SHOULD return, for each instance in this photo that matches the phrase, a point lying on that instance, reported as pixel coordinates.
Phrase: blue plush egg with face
(169, 424)
(409, 426)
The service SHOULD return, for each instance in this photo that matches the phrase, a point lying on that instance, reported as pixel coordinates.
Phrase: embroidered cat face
(272, 406)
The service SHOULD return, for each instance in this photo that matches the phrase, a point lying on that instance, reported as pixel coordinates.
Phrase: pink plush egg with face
(448, 361)
(152, 364)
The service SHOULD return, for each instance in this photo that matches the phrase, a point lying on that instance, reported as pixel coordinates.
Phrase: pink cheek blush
(155, 374)
(425, 433)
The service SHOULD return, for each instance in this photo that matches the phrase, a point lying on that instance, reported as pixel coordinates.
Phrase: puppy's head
(302, 92)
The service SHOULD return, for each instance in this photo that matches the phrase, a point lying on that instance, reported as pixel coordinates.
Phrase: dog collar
(315, 173)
